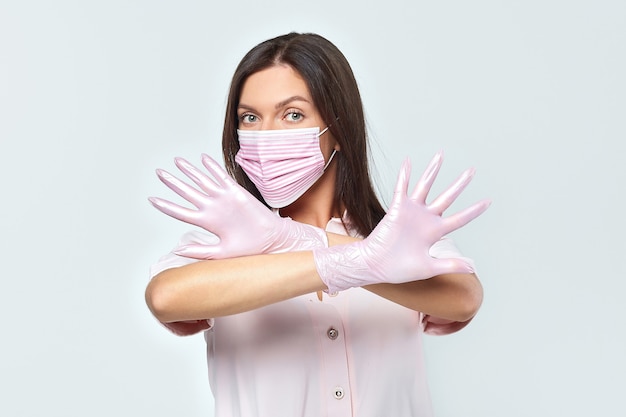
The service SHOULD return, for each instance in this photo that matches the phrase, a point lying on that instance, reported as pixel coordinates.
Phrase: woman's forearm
(215, 288)
(454, 297)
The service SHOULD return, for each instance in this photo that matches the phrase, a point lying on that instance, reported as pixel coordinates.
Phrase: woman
(317, 306)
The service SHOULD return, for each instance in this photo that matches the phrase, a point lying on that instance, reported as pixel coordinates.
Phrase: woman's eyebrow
(291, 99)
(278, 105)
(244, 107)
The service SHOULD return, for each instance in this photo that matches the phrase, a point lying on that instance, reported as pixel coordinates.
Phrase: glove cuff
(342, 267)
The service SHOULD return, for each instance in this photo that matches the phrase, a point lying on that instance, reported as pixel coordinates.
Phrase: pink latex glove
(397, 250)
(243, 225)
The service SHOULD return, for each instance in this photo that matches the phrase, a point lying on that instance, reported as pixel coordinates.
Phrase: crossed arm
(263, 259)
(214, 288)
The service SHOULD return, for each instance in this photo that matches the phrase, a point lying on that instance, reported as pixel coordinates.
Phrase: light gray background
(95, 95)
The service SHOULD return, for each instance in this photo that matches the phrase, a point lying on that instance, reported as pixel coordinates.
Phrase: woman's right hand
(397, 250)
(243, 224)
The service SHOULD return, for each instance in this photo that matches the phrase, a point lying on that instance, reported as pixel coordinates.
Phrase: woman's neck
(317, 206)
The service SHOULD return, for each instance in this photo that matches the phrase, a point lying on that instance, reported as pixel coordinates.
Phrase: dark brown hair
(336, 96)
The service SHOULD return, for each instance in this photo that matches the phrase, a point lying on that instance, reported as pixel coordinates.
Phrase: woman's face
(278, 98)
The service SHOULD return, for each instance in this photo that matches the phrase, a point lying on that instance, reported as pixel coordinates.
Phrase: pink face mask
(283, 164)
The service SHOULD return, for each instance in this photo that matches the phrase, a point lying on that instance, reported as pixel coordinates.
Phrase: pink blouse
(354, 354)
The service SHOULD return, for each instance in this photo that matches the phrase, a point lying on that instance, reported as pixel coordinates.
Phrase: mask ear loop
(323, 131)
(332, 155)
(327, 127)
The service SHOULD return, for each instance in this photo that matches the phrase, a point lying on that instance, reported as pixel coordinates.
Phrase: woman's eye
(294, 116)
(248, 118)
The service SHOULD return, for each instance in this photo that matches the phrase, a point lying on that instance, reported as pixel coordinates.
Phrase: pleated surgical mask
(283, 164)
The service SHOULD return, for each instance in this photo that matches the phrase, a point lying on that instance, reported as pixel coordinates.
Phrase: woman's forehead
(273, 86)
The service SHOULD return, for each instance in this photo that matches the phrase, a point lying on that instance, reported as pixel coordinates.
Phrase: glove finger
(198, 251)
(219, 173)
(423, 186)
(181, 188)
(203, 181)
(460, 219)
(174, 210)
(450, 266)
(447, 197)
(402, 183)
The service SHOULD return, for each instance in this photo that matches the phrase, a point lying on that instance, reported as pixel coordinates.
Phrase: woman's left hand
(242, 223)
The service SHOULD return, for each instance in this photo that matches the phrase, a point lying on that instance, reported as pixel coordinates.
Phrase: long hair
(336, 96)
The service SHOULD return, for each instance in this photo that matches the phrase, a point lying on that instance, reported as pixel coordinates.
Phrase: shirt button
(332, 333)
(338, 393)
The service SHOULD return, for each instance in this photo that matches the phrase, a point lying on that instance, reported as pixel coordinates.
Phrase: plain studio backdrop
(94, 96)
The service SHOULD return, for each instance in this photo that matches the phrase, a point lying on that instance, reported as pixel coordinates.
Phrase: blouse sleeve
(171, 260)
(445, 248)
